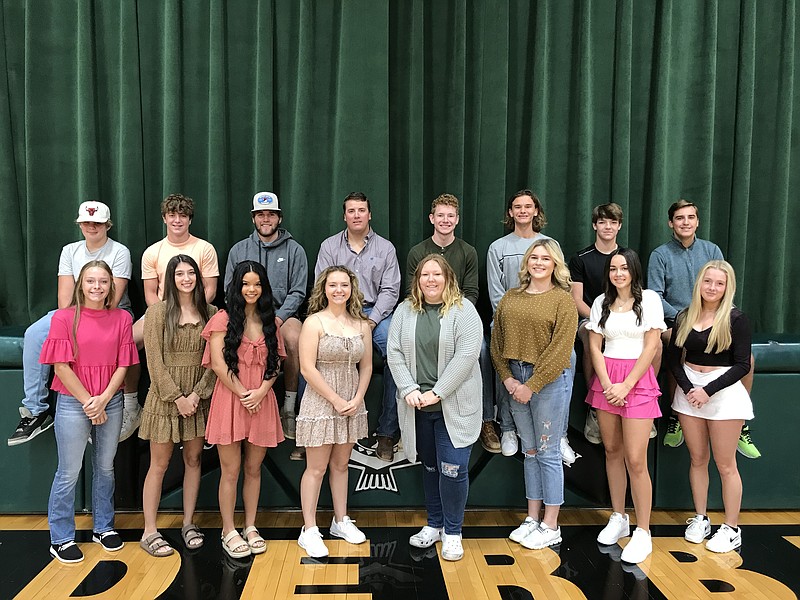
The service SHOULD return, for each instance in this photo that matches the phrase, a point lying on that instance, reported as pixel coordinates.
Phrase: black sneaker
(109, 540)
(68, 552)
(30, 426)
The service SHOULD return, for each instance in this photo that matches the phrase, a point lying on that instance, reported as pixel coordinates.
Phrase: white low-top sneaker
(619, 526)
(310, 540)
(524, 530)
(639, 548)
(698, 528)
(725, 539)
(508, 443)
(542, 537)
(425, 537)
(347, 530)
(451, 547)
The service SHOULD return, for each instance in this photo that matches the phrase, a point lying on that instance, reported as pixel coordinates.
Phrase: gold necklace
(620, 307)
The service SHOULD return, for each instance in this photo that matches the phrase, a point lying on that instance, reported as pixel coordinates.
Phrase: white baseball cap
(265, 201)
(93, 212)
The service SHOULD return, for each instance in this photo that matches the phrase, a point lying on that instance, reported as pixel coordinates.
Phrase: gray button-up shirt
(375, 266)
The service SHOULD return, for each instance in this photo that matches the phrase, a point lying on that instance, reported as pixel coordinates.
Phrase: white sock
(130, 401)
(289, 400)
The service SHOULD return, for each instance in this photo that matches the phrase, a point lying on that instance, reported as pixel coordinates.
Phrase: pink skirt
(640, 403)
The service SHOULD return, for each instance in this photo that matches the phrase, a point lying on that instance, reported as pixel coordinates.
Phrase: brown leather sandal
(190, 533)
(153, 545)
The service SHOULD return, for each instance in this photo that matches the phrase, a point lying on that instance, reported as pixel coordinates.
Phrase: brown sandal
(190, 533)
(153, 543)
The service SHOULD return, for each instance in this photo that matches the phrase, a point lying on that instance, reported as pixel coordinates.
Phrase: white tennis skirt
(732, 402)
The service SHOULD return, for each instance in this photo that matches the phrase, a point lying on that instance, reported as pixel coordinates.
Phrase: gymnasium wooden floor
(386, 567)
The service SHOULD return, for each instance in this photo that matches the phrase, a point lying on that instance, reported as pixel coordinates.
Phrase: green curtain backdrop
(637, 101)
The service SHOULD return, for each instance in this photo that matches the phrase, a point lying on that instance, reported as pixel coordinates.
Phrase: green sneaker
(674, 436)
(746, 447)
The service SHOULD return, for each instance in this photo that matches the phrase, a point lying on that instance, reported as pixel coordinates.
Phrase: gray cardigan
(459, 384)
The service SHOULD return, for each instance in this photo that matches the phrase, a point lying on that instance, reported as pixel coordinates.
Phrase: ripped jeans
(539, 425)
(445, 477)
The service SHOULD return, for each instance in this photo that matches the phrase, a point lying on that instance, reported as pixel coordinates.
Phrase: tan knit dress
(175, 371)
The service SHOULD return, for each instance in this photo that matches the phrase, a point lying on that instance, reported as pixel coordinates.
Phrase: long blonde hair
(720, 338)
(560, 277)
(318, 301)
(79, 298)
(452, 292)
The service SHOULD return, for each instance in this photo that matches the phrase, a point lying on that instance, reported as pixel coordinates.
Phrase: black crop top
(737, 356)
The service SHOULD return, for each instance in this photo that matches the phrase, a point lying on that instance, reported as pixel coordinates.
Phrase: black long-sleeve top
(737, 356)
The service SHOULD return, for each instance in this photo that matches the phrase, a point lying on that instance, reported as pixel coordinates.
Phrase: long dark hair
(172, 314)
(236, 318)
(610, 291)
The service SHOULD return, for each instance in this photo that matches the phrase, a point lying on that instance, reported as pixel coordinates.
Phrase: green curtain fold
(640, 102)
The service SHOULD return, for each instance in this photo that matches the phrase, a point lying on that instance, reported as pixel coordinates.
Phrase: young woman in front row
(710, 400)
(176, 408)
(244, 349)
(91, 347)
(334, 340)
(534, 331)
(625, 393)
(434, 343)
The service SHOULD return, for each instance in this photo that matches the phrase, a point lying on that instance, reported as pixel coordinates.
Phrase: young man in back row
(287, 270)
(587, 269)
(94, 220)
(463, 259)
(374, 261)
(671, 273)
(525, 218)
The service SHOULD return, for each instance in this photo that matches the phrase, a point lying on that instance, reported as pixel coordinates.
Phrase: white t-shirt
(117, 256)
(624, 338)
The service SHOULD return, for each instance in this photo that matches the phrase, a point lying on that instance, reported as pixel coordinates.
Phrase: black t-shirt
(587, 267)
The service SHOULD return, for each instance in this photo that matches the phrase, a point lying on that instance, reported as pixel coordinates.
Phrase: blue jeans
(73, 428)
(388, 423)
(539, 426)
(445, 477)
(573, 361)
(35, 375)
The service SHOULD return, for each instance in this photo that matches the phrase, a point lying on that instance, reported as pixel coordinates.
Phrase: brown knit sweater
(537, 329)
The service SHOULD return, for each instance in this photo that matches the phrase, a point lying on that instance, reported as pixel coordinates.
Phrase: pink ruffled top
(105, 343)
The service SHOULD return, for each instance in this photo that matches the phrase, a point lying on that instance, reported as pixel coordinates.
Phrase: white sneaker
(568, 455)
(725, 539)
(347, 530)
(310, 540)
(591, 429)
(289, 424)
(425, 537)
(542, 537)
(130, 422)
(451, 547)
(524, 530)
(619, 526)
(639, 548)
(699, 528)
(508, 443)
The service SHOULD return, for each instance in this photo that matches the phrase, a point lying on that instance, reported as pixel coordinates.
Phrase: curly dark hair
(265, 309)
(610, 291)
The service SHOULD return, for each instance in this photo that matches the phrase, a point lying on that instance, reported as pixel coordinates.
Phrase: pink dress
(105, 342)
(228, 420)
